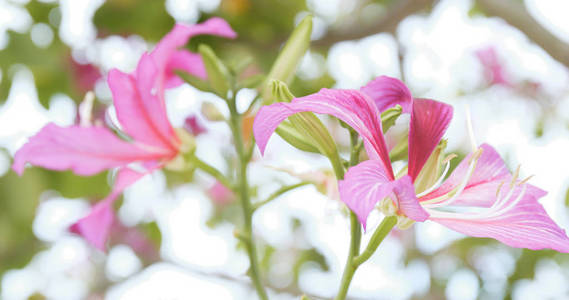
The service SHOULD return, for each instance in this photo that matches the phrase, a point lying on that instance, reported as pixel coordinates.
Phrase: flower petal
(524, 224)
(350, 106)
(187, 61)
(429, 121)
(490, 172)
(166, 54)
(387, 92)
(85, 150)
(96, 226)
(364, 185)
(407, 201)
(140, 111)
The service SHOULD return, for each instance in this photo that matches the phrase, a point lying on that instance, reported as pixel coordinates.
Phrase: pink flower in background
(193, 126)
(480, 198)
(493, 67)
(85, 75)
(139, 102)
(220, 194)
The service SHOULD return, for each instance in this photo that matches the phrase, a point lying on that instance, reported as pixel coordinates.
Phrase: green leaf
(217, 72)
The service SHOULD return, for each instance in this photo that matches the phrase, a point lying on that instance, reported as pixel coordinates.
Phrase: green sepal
(289, 133)
(389, 117)
(194, 81)
(217, 72)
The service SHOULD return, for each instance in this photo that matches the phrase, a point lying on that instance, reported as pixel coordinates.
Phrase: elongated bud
(210, 112)
(217, 72)
(432, 169)
(389, 117)
(288, 132)
(290, 56)
(307, 132)
(280, 91)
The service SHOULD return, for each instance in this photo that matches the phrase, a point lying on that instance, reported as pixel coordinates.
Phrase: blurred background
(506, 59)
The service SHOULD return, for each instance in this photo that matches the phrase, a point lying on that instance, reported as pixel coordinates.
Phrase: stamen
(449, 158)
(458, 190)
(85, 109)
(499, 188)
(439, 181)
(525, 180)
(515, 176)
(470, 129)
(489, 213)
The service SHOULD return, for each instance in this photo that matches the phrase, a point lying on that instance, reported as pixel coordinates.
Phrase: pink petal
(193, 126)
(166, 53)
(387, 92)
(364, 185)
(524, 225)
(186, 61)
(350, 106)
(429, 121)
(85, 150)
(493, 67)
(407, 201)
(490, 172)
(140, 111)
(96, 226)
(220, 194)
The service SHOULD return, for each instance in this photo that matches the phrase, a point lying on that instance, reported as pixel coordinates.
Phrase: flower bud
(290, 56)
(211, 113)
(217, 72)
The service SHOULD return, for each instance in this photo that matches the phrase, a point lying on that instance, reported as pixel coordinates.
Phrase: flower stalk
(245, 200)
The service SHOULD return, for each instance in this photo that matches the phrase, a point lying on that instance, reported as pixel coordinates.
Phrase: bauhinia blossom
(151, 141)
(480, 198)
(493, 68)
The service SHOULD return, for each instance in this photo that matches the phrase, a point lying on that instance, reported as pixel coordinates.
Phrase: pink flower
(480, 198)
(220, 194)
(139, 102)
(493, 68)
(193, 126)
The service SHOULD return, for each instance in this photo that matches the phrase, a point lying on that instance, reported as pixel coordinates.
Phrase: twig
(515, 14)
(388, 22)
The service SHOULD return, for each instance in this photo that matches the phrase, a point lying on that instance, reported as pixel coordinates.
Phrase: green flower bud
(217, 72)
(290, 56)
(210, 112)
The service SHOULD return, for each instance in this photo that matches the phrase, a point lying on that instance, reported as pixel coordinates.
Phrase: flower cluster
(481, 198)
(146, 141)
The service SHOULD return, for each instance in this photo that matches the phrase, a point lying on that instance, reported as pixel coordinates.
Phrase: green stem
(215, 173)
(354, 258)
(279, 192)
(380, 233)
(243, 189)
(350, 267)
